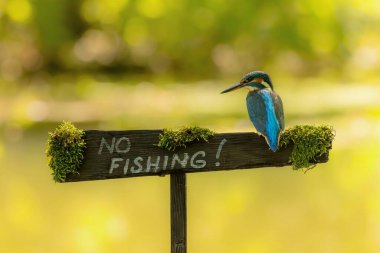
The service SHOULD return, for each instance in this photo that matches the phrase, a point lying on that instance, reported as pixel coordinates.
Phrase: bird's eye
(244, 80)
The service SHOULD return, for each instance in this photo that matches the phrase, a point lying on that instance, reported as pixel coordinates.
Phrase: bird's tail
(273, 142)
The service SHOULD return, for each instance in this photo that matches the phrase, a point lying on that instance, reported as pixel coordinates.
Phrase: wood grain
(178, 214)
(240, 151)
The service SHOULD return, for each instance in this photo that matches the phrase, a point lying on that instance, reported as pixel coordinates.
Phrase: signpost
(119, 154)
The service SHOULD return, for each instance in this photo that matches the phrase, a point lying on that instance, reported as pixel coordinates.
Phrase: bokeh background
(148, 64)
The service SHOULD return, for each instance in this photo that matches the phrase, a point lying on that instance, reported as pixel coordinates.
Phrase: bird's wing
(257, 111)
(279, 110)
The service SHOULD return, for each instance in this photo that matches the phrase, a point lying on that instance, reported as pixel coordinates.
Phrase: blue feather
(272, 124)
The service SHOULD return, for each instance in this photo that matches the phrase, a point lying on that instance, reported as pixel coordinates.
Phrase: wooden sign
(118, 154)
(122, 154)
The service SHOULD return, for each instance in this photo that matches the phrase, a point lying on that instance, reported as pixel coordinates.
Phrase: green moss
(309, 142)
(171, 140)
(65, 148)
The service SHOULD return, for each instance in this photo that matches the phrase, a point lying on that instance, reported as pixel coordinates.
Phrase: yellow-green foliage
(309, 142)
(170, 139)
(65, 149)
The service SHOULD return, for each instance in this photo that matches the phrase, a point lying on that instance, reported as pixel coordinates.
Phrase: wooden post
(178, 213)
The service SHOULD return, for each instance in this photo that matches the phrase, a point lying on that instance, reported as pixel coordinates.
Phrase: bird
(264, 106)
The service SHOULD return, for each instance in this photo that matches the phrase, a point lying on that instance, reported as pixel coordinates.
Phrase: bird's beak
(235, 87)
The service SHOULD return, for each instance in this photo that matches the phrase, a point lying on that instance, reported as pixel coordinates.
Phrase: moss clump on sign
(65, 150)
(171, 139)
(309, 142)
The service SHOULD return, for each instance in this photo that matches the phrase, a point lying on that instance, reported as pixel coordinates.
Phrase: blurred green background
(148, 64)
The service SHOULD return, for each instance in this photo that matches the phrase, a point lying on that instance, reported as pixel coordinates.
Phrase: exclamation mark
(219, 150)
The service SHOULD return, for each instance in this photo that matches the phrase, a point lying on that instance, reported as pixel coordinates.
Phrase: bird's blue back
(266, 113)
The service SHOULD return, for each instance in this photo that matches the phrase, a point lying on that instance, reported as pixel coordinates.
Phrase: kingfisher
(264, 106)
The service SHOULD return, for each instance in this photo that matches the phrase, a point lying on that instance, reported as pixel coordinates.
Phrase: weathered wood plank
(178, 214)
(118, 154)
